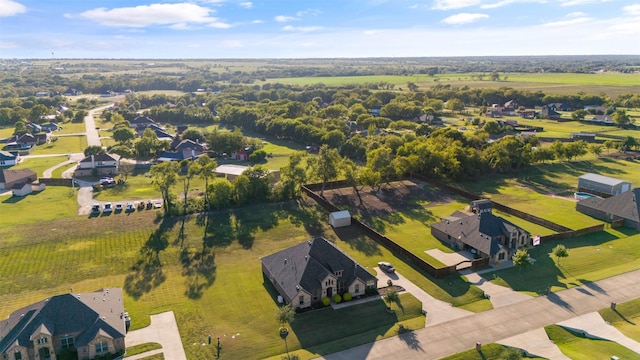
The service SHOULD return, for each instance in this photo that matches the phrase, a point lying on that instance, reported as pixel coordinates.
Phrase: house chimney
(93, 161)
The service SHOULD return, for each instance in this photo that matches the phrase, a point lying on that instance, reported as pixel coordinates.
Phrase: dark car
(386, 267)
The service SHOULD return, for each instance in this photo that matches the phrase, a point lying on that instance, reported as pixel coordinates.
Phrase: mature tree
(285, 315)
(257, 156)
(629, 143)
(164, 176)
(124, 134)
(576, 148)
(147, 144)
(205, 167)
(126, 169)
(560, 251)
(370, 178)
(220, 193)
(334, 138)
(192, 170)
(122, 150)
(380, 160)
(193, 135)
(455, 104)
(37, 112)
(79, 116)
(94, 150)
(521, 259)
(20, 128)
(294, 174)
(611, 144)
(325, 165)
(579, 115)
(621, 118)
(241, 189)
(351, 173)
(595, 149)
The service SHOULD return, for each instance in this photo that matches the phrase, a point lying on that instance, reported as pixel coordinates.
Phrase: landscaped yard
(40, 164)
(64, 145)
(489, 351)
(626, 318)
(577, 346)
(591, 257)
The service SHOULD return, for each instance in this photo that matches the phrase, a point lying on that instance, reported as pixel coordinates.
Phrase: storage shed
(602, 185)
(340, 218)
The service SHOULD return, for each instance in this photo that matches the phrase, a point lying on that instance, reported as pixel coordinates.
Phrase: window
(338, 273)
(357, 289)
(102, 346)
(501, 256)
(301, 300)
(43, 340)
(17, 355)
(67, 342)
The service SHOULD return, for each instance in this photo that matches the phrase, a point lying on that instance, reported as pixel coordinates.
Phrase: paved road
(454, 336)
(163, 330)
(93, 137)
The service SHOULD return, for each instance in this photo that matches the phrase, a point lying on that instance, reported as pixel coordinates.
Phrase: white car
(108, 209)
(118, 207)
(130, 207)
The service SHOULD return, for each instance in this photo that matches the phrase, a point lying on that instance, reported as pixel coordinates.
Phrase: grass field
(591, 258)
(70, 128)
(489, 351)
(625, 318)
(40, 164)
(212, 279)
(54, 202)
(64, 145)
(6, 132)
(579, 347)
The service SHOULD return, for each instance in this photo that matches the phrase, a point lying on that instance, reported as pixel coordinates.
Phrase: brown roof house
(624, 206)
(89, 324)
(9, 178)
(305, 273)
(104, 164)
(482, 233)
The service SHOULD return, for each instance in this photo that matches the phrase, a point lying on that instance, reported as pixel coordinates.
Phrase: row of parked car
(109, 208)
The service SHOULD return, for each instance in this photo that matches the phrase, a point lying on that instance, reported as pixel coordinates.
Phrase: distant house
(602, 185)
(179, 155)
(305, 273)
(509, 108)
(104, 164)
(482, 233)
(242, 155)
(8, 159)
(624, 206)
(560, 107)
(49, 127)
(42, 94)
(27, 141)
(10, 178)
(141, 122)
(602, 120)
(590, 137)
(33, 127)
(527, 114)
(375, 110)
(549, 113)
(189, 144)
(91, 324)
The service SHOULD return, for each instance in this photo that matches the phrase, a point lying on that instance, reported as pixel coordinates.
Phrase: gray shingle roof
(625, 205)
(10, 175)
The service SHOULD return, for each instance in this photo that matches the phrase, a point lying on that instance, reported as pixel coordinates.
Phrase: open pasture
(63, 145)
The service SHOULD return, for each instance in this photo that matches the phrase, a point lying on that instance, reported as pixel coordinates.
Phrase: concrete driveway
(437, 311)
(535, 342)
(594, 326)
(163, 330)
(498, 295)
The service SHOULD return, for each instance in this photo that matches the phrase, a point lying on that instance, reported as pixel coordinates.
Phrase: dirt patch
(619, 155)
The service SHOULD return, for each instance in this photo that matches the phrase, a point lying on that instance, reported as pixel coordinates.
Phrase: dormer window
(43, 340)
(338, 273)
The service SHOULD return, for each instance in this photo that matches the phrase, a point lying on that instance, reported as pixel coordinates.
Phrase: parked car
(118, 207)
(95, 209)
(130, 207)
(386, 267)
(108, 209)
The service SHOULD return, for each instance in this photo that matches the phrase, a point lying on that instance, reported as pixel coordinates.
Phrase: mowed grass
(488, 351)
(70, 128)
(138, 187)
(6, 132)
(54, 202)
(64, 145)
(625, 318)
(591, 258)
(579, 347)
(210, 278)
(40, 164)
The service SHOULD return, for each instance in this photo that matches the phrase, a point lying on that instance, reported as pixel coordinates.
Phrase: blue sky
(315, 29)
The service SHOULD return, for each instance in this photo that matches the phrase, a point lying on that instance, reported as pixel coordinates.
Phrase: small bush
(389, 282)
(326, 301)
(337, 298)
(346, 296)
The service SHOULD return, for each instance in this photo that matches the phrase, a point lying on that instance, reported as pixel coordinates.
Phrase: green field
(54, 202)
(64, 145)
(625, 318)
(579, 347)
(489, 351)
(40, 164)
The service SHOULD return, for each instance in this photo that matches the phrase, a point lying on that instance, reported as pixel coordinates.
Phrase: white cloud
(454, 4)
(562, 23)
(258, 21)
(576, 14)
(464, 18)
(309, 12)
(246, 5)
(153, 14)
(301, 28)
(502, 3)
(219, 25)
(580, 2)
(284, 18)
(632, 9)
(11, 8)
(8, 45)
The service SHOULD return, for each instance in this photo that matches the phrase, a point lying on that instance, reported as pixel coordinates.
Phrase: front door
(329, 292)
(45, 353)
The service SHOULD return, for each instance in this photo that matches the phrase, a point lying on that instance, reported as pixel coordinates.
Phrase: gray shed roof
(625, 205)
(602, 179)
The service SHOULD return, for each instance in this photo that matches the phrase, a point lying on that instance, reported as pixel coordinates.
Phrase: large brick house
(89, 324)
(305, 273)
(104, 164)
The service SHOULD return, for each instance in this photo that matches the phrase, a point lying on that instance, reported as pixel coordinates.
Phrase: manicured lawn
(489, 351)
(57, 173)
(138, 187)
(577, 346)
(70, 128)
(6, 132)
(139, 349)
(40, 164)
(55, 202)
(211, 278)
(64, 145)
(591, 257)
(625, 318)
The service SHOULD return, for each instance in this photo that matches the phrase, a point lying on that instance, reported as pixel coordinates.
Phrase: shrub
(346, 296)
(326, 301)
(337, 298)
(389, 282)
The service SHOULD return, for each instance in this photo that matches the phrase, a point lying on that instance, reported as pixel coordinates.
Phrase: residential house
(509, 108)
(27, 141)
(602, 120)
(375, 110)
(600, 185)
(306, 273)
(179, 155)
(141, 122)
(242, 155)
(48, 127)
(89, 324)
(189, 145)
(104, 164)
(42, 94)
(549, 113)
(623, 207)
(482, 233)
(527, 114)
(561, 107)
(10, 178)
(33, 127)
(8, 159)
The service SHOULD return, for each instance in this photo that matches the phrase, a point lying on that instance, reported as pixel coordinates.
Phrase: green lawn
(591, 257)
(489, 351)
(64, 145)
(579, 347)
(40, 164)
(138, 187)
(6, 132)
(139, 349)
(55, 202)
(71, 128)
(625, 318)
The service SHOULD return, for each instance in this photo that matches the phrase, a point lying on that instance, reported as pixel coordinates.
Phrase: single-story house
(91, 324)
(483, 234)
(306, 273)
(49, 126)
(603, 119)
(8, 159)
(548, 112)
(622, 206)
(9, 178)
(602, 185)
(105, 164)
(188, 144)
(24, 189)
(141, 122)
(179, 155)
(27, 141)
(33, 127)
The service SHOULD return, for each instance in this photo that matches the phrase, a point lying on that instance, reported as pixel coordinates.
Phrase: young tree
(164, 176)
(293, 175)
(285, 315)
(560, 251)
(596, 149)
(521, 259)
(205, 168)
(391, 297)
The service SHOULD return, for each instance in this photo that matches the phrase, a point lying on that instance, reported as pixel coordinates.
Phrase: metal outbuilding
(602, 185)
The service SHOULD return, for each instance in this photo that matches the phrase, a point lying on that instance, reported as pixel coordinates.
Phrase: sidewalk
(163, 330)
